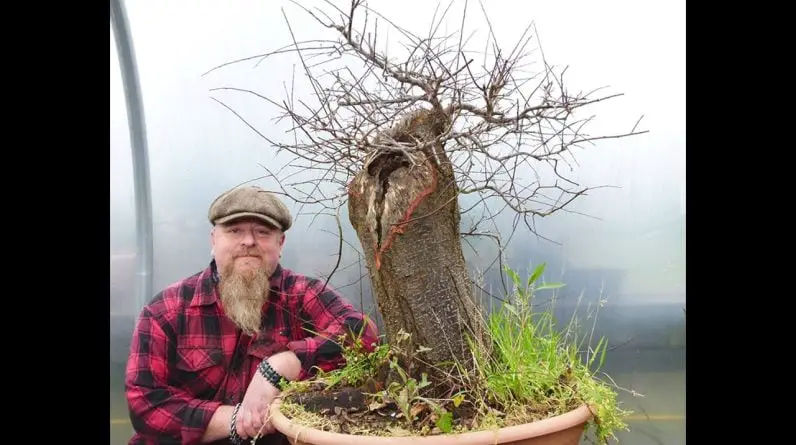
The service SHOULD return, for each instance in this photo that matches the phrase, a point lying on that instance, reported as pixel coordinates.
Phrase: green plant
(537, 366)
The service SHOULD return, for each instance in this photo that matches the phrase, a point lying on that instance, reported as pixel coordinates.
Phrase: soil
(352, 411)
(348, 411)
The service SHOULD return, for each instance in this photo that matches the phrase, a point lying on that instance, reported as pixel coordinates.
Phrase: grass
(534, 371)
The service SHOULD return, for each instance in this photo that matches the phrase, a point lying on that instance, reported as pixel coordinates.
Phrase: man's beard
(243, 295)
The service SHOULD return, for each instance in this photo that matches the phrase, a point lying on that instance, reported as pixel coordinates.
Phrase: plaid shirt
(187, 358)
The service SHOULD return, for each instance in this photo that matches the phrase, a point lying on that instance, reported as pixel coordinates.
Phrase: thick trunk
(405, 210)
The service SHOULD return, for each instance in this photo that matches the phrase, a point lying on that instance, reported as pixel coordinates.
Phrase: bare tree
(402, 139)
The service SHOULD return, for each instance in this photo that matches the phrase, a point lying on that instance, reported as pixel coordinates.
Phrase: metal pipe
(138, 141)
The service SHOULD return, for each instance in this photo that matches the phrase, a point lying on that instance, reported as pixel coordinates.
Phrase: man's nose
(247, 239)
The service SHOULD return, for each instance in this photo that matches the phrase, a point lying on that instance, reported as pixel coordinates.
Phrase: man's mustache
(249, 253)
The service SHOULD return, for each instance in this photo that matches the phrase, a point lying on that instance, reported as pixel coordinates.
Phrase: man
(208, 352)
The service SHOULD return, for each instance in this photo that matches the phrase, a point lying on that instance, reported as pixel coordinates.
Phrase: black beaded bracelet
(233, 430)
(270, 374)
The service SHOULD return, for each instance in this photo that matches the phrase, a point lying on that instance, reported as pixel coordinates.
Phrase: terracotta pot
(566, 429)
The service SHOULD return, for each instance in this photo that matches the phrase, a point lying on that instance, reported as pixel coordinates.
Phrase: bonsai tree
(400, 136)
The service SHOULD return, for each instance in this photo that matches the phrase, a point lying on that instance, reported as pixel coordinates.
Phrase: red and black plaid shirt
(187, 358)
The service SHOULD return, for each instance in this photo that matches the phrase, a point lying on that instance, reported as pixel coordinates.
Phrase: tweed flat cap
(252, 202)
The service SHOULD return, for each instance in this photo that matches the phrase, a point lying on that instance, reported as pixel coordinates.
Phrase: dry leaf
(417, 408)
(374, 405)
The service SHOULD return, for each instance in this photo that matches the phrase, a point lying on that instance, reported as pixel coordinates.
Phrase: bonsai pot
(565, 429)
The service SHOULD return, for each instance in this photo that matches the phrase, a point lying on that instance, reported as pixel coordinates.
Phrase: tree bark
(404, 207)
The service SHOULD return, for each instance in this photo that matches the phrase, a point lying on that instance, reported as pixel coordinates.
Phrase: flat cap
(251, 202)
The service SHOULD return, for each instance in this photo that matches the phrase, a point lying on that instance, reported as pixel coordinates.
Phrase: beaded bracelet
(270, 373)
(233, 430)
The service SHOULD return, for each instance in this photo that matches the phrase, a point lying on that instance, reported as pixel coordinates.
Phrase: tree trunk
(404, 207)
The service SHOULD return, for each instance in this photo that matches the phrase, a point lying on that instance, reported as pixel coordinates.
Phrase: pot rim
(574, 418)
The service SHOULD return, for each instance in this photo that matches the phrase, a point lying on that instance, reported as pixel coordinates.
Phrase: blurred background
(625, 245)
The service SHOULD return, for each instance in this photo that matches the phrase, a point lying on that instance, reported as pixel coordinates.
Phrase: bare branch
(509, 133)
(339, 250)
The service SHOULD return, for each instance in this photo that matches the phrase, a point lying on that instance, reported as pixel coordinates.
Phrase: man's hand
(260, 393)
(254, 408)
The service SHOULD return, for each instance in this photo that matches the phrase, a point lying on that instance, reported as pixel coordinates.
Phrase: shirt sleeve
(158, 411)
(332, 317)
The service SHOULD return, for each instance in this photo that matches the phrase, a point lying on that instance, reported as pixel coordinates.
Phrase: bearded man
(208, 352)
